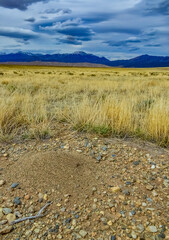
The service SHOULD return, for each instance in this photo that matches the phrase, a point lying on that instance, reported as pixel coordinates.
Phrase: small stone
(45, 197)
(27, 197)
(14, 185)
(166, 183)
(2, 182)
(128, 183)
(37, 230)
(140, 228)
(109, 223)
(161, 236)
(155, 194)
(55, 229)
(10, 217)
(6, 211)
(6, 230)
(94, 206)
(1, 213)
(56, 216)
(126, 192)
(68, 220)
(149, 187)
(59, 236)
(152, 229)
(134, 235)
(28, 233)
(115, 189)
(132, 213)
(136, 163)
(17, 201)
(3, 222)
(74, 222)
(63, 209)
(83, 233)
(94, 189)
(40, 195)
(99, 157)
(113, 238)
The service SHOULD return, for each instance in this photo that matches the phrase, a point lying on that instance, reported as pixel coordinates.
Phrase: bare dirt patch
(68, 173)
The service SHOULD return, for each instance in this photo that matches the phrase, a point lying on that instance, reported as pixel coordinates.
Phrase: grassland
(120, 102)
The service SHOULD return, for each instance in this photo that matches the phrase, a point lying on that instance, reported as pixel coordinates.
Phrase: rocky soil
(99, 188)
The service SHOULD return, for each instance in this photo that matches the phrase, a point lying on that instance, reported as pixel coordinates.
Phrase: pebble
(6, 230)
(10, 217)
(114, 208)
(140, 228)
(14, 185)
(110, 223)
(17, 201)
(149, 187)
(27, 197)
(3, 222)
(1, 213)
(45, 197)
(115, 189)
(136, 163)
(37, 230)
(2, 182)
(6, 211)
(152, 229)
(83, 233)
(166, 183)
(155, 194)
(113, 237)
(134, 235)
(126, 192)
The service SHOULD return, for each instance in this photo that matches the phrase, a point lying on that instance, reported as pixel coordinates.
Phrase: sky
(116, 29)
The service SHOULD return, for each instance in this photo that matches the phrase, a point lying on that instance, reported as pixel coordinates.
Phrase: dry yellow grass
(123, 102)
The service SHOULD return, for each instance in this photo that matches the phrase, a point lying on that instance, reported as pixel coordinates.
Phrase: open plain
(93, 143)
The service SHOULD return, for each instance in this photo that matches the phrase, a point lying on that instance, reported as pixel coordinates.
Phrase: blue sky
(115, 29)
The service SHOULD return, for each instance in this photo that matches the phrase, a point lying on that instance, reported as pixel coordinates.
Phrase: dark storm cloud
(133, 49)
(127, 42)
(19, 4)
(17, 33)
(151, 8)
(97, 17)
(76, 31)
(60, 10)
(70, 40)
(152, 45)
(127, 27)
(31, 19)
(161, 8)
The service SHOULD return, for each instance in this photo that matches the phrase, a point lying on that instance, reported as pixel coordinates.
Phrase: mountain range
(142, 61)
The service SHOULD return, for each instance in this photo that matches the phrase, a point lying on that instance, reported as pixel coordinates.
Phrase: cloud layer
(115, 29)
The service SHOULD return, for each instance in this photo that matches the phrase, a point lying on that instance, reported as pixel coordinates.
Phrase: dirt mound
(64, 172)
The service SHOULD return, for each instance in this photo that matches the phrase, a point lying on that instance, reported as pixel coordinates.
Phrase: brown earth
(66, 173)
(100, 188)
(56, 64)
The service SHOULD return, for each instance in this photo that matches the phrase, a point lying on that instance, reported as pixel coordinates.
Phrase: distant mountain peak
(142, 61)
(80, 53)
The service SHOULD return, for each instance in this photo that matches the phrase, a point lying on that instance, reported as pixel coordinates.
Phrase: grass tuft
(121, 102)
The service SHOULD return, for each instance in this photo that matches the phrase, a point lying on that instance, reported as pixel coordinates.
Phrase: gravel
(87, 202)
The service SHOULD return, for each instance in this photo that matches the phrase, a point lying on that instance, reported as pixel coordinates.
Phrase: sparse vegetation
(121, 102)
